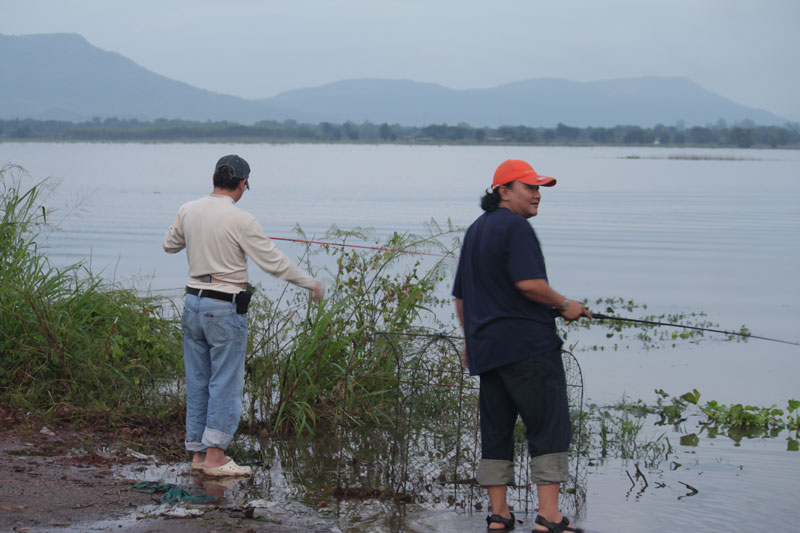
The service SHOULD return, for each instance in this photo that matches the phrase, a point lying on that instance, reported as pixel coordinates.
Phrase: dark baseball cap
(240, 167)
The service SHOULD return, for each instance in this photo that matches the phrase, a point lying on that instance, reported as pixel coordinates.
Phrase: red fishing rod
(364, 247)
(600, 316)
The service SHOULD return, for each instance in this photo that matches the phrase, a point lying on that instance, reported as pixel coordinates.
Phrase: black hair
(225, 178)
(490, 201)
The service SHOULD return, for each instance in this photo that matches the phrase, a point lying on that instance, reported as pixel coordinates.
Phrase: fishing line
(600, 316)
(378, 248)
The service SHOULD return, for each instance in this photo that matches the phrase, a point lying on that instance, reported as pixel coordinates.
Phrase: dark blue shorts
(536, 390)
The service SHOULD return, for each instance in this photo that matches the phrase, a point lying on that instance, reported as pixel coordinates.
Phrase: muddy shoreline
(63, 479)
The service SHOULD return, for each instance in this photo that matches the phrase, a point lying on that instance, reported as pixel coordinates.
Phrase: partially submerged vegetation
(647, 336)
(342, 360)
(619, 425)
(697, 157)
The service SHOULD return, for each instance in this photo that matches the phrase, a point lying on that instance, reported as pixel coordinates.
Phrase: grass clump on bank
(73, 345)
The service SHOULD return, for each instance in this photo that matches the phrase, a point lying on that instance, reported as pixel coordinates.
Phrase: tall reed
(67, 336)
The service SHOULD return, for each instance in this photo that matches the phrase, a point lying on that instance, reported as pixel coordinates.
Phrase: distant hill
(643, 101)
(61, 76)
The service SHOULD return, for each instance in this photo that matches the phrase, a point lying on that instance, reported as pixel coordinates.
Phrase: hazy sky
(745, 50)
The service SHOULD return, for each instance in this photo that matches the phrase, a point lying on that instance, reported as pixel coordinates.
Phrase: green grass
(67, 337)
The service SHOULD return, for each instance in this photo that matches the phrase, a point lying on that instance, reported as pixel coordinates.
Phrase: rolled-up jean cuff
(493, 472)
(214, 438)
(195, 446)
(550, 468)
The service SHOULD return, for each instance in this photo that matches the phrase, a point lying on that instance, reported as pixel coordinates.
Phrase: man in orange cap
(507, 311)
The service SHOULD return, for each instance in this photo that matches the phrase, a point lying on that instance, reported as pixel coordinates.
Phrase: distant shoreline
(416, 143)
(743, 135)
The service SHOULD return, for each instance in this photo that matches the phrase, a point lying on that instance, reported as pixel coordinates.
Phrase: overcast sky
(745, 50)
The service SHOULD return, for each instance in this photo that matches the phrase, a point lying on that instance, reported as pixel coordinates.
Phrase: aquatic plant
(616, 431)
(736, 420)
(649, 336)
(743, 420)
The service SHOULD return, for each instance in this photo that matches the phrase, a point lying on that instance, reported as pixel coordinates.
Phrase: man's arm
(266, 255)
(174, 240)
(460, 313)
(538, 290)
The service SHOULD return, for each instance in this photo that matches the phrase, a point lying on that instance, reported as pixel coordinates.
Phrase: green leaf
(690, 440)
(793, 405)
(691, 397)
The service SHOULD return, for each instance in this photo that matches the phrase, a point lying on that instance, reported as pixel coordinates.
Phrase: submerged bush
(66, 337)
(344, 359)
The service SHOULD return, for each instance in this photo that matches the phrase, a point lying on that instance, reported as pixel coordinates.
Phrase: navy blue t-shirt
(501, 325)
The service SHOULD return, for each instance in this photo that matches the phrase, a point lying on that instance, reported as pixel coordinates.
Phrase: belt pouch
(243, 301)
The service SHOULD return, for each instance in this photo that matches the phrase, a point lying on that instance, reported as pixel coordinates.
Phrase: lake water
(721, 236)
(716, 231)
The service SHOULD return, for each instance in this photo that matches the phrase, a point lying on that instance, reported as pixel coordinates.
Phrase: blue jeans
(214, 345)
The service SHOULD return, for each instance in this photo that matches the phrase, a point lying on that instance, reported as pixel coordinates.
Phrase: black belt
(206, 293)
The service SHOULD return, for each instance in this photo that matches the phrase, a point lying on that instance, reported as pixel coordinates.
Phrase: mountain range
(63, 77)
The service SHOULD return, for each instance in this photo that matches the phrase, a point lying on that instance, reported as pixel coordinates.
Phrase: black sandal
(552, 527)
(508, 523)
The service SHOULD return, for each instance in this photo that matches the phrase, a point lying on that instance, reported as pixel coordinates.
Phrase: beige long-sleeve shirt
(219, 237)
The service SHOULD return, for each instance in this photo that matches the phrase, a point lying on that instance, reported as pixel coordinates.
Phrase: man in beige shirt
(219, 237)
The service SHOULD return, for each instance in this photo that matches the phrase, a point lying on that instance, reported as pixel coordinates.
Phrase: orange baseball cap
(517, 170)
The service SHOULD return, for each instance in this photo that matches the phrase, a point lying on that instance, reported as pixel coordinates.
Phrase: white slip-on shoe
(228, 469)
(197, 466)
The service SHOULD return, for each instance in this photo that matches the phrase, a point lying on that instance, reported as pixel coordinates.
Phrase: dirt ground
(50, 482)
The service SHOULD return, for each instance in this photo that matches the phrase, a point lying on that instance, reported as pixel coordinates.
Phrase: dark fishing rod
(600, 316)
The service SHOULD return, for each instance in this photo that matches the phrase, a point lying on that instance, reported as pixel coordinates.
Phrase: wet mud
(48, 482)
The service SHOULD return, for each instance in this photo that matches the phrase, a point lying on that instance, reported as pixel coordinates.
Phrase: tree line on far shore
(744, 134)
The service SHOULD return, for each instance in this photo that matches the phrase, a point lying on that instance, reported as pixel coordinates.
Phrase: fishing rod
(378, 248)
(601, 316)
